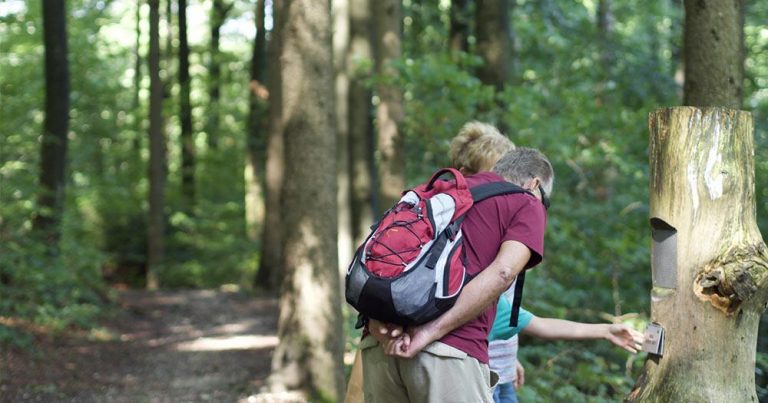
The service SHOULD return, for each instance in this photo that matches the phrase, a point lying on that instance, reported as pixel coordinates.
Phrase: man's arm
(476, 296)
(558, 329)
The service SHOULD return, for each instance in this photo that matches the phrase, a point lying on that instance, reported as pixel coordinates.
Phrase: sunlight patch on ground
(228, 343)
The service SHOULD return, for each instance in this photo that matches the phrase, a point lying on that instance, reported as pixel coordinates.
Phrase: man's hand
(625, 337)
(384, 332)
(520, 375)
(412, 342)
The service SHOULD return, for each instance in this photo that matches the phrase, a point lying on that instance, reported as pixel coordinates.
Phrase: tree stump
(710, 265)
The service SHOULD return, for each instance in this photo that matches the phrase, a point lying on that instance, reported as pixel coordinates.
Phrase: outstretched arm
(559, 329)
(477, 295)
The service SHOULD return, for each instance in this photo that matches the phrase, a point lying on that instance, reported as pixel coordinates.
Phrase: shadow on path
(168, 346)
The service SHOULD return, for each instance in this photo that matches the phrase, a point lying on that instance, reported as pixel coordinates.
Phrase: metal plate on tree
(663, 254)
(654, 339)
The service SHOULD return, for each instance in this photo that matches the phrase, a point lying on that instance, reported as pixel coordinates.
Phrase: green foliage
(581, 99)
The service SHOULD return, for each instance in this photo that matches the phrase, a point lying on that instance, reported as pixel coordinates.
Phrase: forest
(248, 145)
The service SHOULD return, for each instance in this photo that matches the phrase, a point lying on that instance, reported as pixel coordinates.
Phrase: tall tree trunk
(604, 34)
(360, 123)
(136, 154)
(309, 355)
(168, 51)
(270, 271)
(219, 13)
(341, 35)
(389, 113)
(709, 263)
(459, 29)
(53, 148)
(494, 41)
(714, 53)
(185, 115)
(157, 151)
(256, 131)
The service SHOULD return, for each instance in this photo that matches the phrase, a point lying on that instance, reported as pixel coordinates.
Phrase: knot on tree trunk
(733, 277)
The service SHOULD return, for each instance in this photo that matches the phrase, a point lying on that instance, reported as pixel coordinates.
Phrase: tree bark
(341, 37)
(360, 124)
(459, 28)
(257, 131)
(219, 13)
(710, 265)
(136, 150)
(309, 355)
(157, 153)
(270, 271)
(389, 113)
(185, 115)
(494, 41)
(604, 34)
(53, 148)
(714, 53)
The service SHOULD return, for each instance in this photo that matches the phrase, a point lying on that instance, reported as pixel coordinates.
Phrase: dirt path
(180, 346)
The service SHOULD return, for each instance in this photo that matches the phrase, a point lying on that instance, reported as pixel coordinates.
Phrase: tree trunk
(709, 263)
(459, 30)
(168, 51)
(219, 13)
(389, 113)
(136, 145)
(270, 272)
(360, 123)
(604, 33)
(494, 41)
(157, 150)
(341, 35)
(185, 115)
(714, 53)
(257, 131)
(309, 355)
(53, 148)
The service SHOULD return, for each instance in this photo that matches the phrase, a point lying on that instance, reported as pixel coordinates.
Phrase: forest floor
(170, 346)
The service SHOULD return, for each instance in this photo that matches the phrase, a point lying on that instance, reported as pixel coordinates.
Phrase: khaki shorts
(439, 373)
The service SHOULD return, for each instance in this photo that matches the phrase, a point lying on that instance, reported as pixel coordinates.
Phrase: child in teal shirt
(502, 347)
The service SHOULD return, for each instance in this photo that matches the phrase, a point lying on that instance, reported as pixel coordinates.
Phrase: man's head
(477, 147)
(529, 169)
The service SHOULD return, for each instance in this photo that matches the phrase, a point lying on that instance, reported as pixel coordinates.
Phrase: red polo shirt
(515, 217)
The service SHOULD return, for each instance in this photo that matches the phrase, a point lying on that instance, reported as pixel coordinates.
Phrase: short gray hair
(523, 164)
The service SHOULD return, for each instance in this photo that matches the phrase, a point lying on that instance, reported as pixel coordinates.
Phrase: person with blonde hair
(477, 147)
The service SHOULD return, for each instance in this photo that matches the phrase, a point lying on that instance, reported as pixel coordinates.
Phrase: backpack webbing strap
(486, 190)
(518, 298)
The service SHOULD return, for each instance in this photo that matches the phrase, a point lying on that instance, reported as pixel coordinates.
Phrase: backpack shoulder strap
(487, 190)
(517, 299)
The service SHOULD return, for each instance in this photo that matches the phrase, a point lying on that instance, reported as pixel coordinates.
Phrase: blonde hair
(477, 147)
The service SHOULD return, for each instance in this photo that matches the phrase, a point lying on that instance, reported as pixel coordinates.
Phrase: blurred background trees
(575, 79)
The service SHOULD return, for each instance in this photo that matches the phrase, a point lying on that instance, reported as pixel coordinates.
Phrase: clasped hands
(398, 341)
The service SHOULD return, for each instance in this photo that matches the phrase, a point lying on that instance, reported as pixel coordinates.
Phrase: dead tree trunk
(710, 265)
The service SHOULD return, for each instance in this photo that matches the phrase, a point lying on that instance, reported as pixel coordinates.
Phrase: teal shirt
(501, 329)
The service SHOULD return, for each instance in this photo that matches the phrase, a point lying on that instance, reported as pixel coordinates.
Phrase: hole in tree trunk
(664, 254)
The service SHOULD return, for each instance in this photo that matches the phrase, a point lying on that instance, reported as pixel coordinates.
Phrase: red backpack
(412, 266)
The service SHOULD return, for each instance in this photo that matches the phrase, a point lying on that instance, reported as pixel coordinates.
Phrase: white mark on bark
(713, 178)
(693, 183)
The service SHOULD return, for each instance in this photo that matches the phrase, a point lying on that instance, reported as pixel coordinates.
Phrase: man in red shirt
(446, 360)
